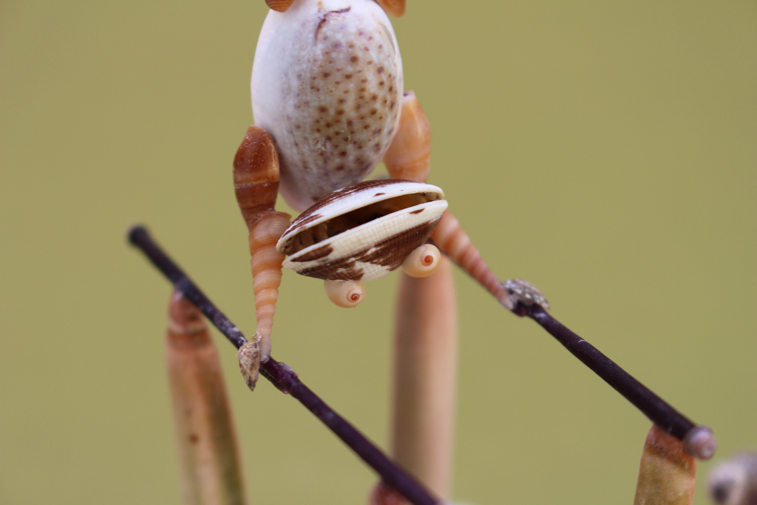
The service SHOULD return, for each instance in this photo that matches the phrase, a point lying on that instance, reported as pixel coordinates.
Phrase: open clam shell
(363, 231)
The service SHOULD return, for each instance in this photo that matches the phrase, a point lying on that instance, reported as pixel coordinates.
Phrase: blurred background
(604, 151)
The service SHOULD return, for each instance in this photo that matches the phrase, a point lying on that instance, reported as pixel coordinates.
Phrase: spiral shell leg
(409, 155)
(256, 184)
(409, 158)
(453, 241)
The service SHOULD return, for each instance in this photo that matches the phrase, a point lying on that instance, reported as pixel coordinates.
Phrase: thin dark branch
(284, 378)
(699, 440)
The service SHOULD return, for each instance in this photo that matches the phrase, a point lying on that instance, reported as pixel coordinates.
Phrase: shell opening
(358, 217)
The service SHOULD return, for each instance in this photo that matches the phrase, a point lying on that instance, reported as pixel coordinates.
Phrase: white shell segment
(349, 199)
(364, 252)
(327, 85)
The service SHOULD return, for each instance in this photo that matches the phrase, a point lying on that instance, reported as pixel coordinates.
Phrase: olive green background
(605, 151)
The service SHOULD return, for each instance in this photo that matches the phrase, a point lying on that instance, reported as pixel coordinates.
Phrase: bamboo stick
(283, 377)
(425, 363)
(211, 469)
(668, 472)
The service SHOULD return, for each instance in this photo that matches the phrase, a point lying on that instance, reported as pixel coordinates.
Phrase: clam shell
(372, 249)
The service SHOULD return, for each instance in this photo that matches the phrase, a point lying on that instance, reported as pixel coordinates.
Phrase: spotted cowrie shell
(327, 86)
(363, 231)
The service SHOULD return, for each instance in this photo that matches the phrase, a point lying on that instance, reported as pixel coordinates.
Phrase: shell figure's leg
(409, 157)
(256, 184)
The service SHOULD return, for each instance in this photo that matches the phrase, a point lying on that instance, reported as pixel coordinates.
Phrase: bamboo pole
(211, 469)
(668, 472)
(425, 364)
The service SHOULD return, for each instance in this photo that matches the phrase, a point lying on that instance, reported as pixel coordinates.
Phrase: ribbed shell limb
(363, 231)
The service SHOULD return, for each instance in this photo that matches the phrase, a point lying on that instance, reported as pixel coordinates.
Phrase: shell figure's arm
(256, 184)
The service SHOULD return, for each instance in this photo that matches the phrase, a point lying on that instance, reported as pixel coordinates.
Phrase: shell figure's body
(327, 86)
(329, 105)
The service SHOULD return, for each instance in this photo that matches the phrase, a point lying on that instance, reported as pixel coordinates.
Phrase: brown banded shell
(363, 231)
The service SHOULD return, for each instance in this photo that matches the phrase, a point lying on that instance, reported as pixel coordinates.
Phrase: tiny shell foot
(345, 294)
(422, 262)
(521, 291)
(249, 361)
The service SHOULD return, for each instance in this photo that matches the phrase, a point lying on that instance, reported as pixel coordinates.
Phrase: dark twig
(284, 378)
(699, 440)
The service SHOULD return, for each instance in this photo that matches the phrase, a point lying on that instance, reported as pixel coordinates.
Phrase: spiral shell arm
(256, 184)
(452, 240)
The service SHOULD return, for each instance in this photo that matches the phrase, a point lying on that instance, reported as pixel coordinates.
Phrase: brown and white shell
(363, 231)
(327, 85)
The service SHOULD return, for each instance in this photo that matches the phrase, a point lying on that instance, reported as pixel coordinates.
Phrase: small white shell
(371, 249)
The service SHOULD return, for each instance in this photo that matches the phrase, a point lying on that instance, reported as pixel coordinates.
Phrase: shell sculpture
(328, 101)
(364, 231)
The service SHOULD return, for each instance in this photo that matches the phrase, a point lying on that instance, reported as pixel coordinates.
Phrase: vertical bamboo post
(425, 365)
(667, 474)
(211, 469)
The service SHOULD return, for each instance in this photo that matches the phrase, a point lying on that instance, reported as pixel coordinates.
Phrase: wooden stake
(667, 474)
(425, 363)
(211, 470)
